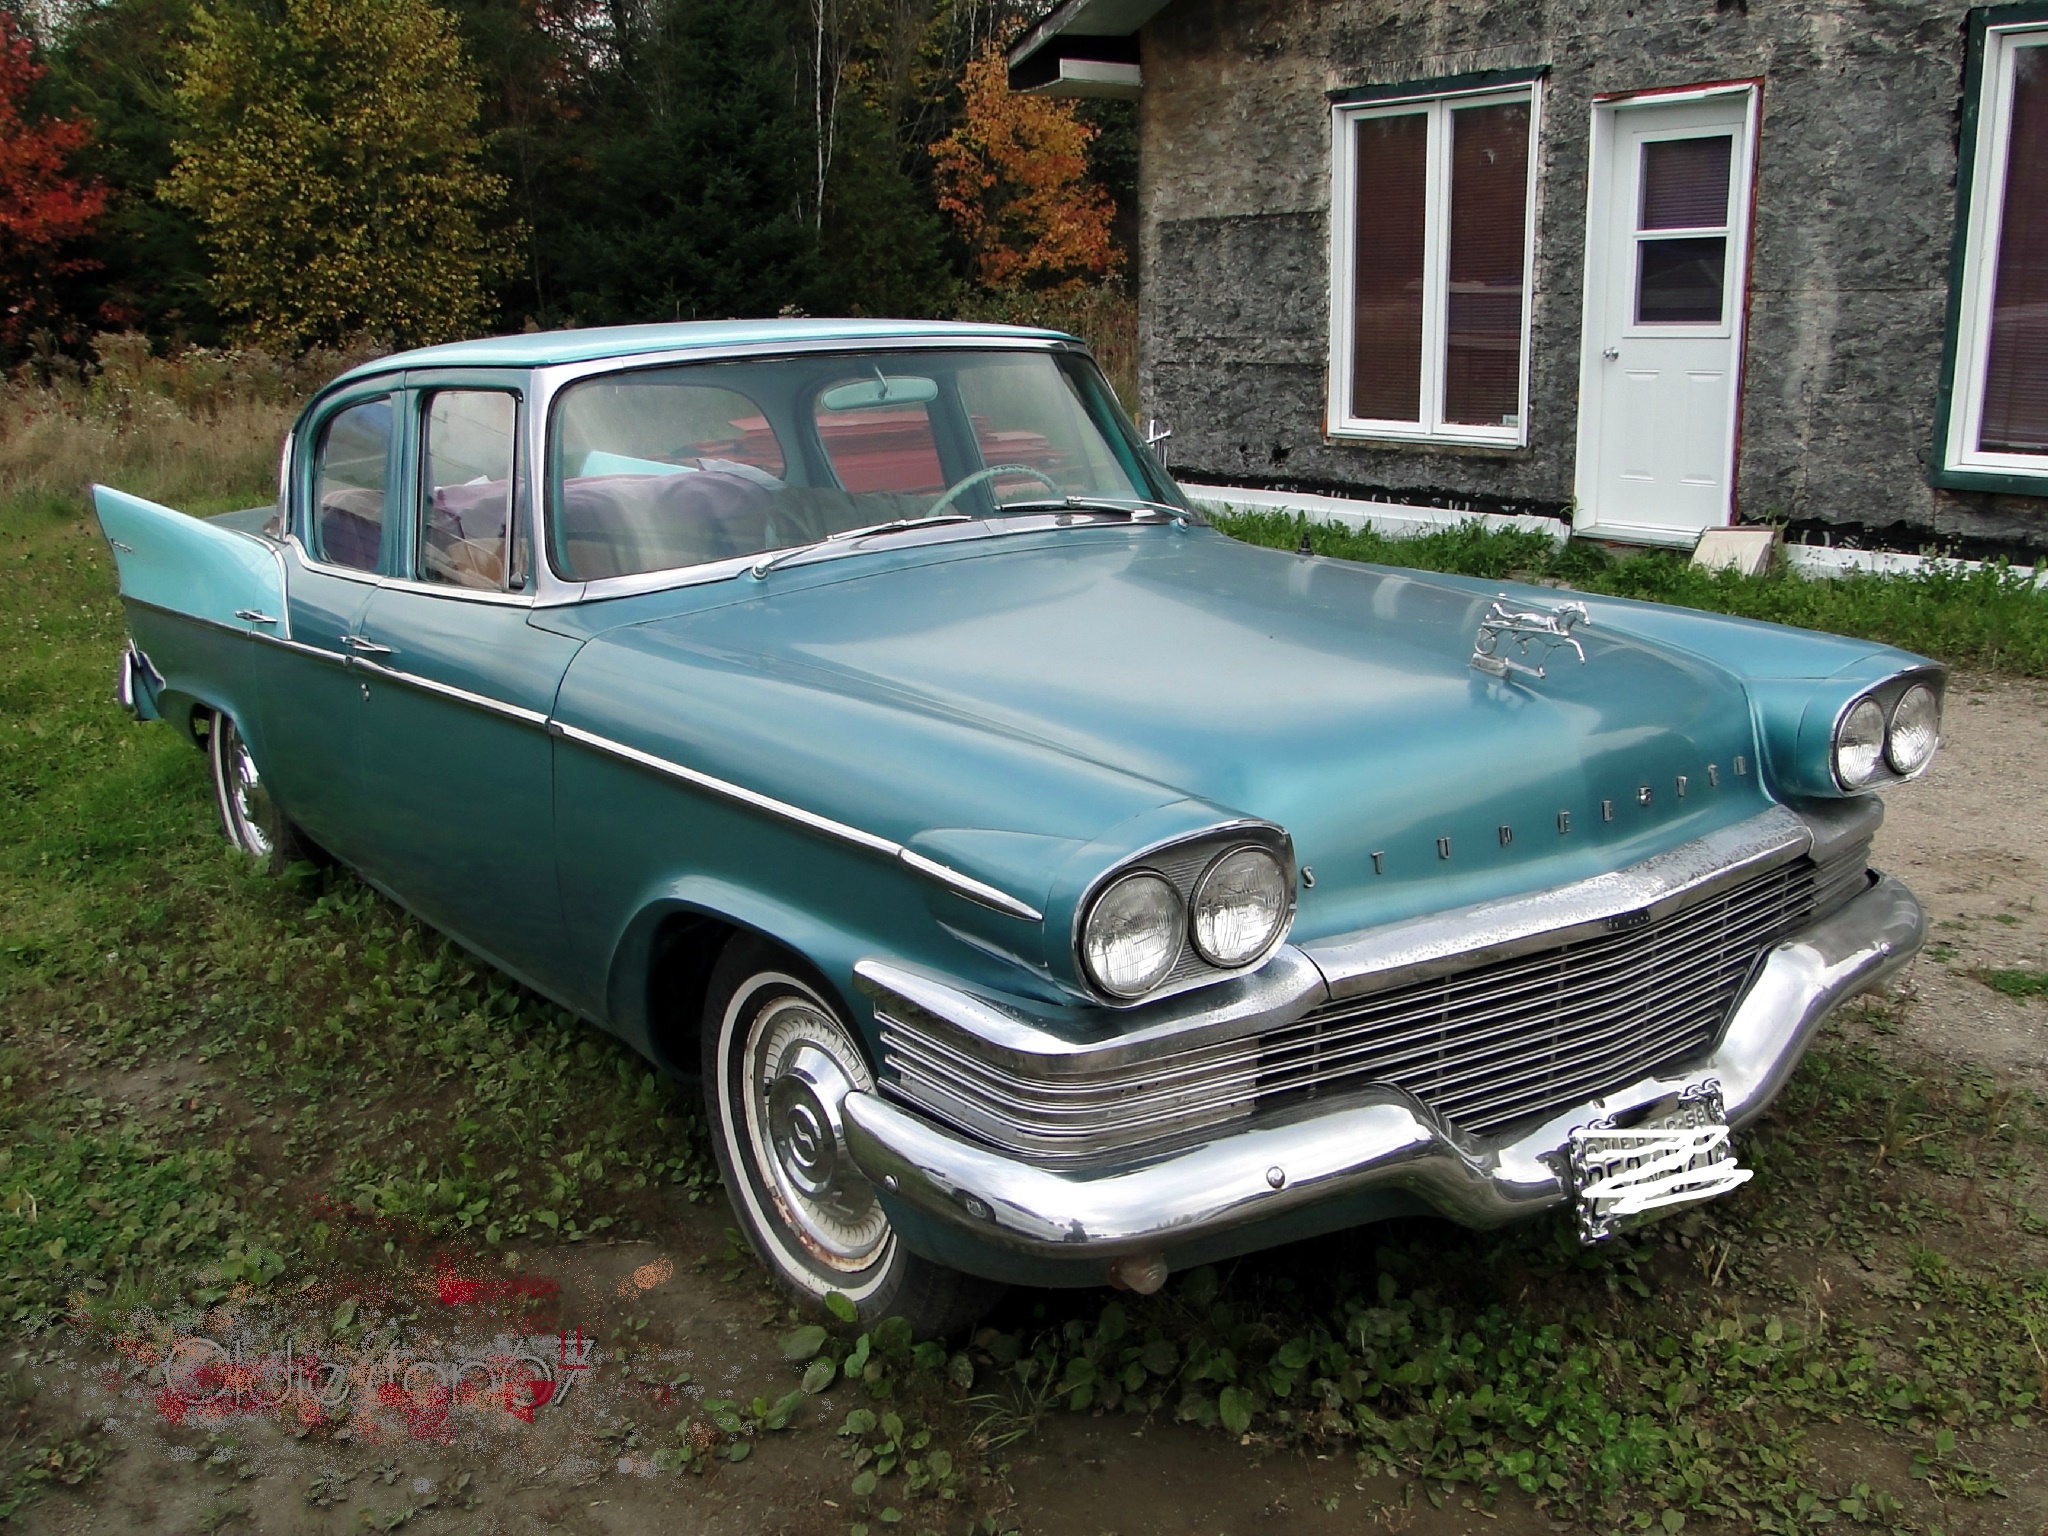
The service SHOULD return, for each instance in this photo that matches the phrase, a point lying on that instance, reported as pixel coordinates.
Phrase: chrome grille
(1502, 1043)
(1485, 1047)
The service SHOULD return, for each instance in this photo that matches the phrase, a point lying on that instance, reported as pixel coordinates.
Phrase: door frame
(1597, 289)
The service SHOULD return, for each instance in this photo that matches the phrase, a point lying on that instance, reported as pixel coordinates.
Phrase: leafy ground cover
(1994, 617)
(209, 1082)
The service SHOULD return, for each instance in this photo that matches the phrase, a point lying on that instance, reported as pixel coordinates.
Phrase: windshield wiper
(1135, 508)
(761, 568)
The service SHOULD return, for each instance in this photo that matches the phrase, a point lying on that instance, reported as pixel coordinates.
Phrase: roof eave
(1084, 48)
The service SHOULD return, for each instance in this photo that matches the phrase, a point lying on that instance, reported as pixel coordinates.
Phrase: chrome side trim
(1377, 1139)
(480, 701)
(299, 647)
(965, 885)
(489, 596)
(968, 886)
(1456, 940)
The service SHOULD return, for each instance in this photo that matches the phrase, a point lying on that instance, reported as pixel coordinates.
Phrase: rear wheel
(778, 1059)
(249, 818)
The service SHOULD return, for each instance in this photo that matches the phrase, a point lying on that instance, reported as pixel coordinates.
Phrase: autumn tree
(330, 151)
(1013, 177)
(44, 209)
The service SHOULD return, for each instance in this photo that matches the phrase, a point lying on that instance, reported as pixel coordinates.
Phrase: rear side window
(467, 487)
(351, 479)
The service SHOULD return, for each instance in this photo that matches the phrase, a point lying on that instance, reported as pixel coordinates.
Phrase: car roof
(539, 349)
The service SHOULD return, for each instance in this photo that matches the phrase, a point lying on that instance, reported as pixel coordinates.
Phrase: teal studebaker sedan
(1047, 888)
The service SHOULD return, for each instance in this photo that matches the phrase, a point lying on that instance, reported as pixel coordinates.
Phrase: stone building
(1654, 265)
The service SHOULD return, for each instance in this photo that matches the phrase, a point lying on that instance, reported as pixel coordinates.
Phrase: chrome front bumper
(1376, 1139)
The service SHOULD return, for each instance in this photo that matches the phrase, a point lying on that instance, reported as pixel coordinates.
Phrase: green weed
(2016, 983)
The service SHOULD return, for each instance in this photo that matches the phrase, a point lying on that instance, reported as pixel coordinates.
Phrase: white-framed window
(1997, 420)
(1433, 237)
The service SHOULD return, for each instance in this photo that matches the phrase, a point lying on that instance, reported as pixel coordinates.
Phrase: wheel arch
(660, 969)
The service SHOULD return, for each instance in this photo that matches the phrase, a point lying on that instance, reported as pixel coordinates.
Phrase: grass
(1993, 618)
(2016, 983)
(209, 1081)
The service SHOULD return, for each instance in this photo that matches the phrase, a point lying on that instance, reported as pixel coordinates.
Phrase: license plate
(1677, 1156)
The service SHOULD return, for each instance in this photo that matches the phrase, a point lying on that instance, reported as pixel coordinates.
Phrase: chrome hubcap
(248, 800)
(802, 1067)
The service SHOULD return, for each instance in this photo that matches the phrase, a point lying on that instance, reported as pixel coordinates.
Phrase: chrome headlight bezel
(1183, 862)
(1885, 701)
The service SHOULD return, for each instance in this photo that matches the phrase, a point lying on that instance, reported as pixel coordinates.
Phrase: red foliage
(43, 208)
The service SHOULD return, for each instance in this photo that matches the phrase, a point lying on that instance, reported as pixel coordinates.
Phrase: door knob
(1611, 353)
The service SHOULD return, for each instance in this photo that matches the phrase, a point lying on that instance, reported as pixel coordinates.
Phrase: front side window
(351, 481)
(1998, 387)
(658, 469)
(1433, 223)
(467, 488)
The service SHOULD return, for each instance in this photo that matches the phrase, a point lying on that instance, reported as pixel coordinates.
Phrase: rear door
(457, 764)
(345, 480)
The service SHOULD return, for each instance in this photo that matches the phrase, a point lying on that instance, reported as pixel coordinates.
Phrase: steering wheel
(954, 491)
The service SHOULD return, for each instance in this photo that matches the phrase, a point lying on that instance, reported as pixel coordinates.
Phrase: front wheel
(249, 818)
(778, 1059)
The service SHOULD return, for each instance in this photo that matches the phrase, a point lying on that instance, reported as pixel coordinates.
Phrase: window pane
(1679, 281)
(661, 471)
(1489, 224)
(467, 491)
(1685, 183)
(1386, 348)
(348, 485)
(2016, 371)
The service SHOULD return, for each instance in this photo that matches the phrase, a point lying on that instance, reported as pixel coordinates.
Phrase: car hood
(997, 703)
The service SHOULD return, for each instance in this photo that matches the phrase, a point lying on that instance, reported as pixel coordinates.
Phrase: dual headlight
(1873, 743)
(1139, 925)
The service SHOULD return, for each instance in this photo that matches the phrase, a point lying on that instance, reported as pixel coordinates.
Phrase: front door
(456, 762)
(1667, 256)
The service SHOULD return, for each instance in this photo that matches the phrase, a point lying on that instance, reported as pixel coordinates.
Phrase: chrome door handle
(364, 647)
(251, 616)
(1611, 353)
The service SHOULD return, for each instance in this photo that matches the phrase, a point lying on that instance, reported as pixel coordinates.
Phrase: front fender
(833, 949)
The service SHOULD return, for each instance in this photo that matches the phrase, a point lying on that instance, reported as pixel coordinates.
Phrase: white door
(1667, 258)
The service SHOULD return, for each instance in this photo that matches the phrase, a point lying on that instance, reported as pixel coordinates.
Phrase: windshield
(660, 468)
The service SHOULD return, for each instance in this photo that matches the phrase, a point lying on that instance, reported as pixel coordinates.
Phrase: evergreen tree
(115, 63)
(682, 188)
(332, 156)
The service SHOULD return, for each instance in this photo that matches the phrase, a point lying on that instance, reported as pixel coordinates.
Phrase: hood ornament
(1524, 626)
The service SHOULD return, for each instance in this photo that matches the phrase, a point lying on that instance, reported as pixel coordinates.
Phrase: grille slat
(1485, 1047)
